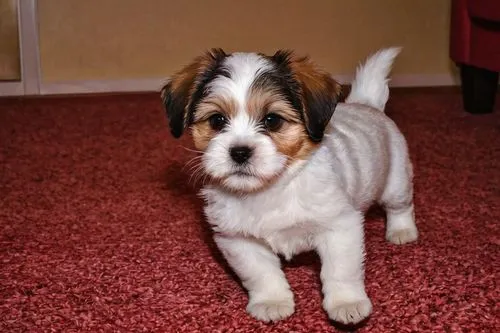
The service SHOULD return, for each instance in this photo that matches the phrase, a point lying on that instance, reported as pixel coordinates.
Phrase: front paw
(349, 312)
(272, 309)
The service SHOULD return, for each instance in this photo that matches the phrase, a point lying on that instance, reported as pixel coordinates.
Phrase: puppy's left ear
(320, 101)
(320, 93)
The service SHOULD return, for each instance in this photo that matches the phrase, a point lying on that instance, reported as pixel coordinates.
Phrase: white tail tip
(370, 86)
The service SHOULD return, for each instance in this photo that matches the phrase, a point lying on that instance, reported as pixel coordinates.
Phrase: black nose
(240, 154)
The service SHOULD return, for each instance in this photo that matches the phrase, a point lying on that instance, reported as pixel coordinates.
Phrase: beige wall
(116, 39)
(10, 66)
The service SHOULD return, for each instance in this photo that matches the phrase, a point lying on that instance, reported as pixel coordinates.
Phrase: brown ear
(320, 92)
(186, 87)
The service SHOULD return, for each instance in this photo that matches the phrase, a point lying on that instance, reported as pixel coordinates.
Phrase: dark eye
(273, 122)
(217, 122)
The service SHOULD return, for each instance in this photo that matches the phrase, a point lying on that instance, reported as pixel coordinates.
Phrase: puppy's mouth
(246, 181)
(243, 181)
(241, 173)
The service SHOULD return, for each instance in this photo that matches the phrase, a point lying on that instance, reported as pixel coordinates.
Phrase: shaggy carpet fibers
(101, 231)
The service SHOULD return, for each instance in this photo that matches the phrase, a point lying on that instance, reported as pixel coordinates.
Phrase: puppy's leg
(401, 227)
(342, 273)
(259, 269)
(398, 202)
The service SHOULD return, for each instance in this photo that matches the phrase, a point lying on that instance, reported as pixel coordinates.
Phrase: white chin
(245, 183)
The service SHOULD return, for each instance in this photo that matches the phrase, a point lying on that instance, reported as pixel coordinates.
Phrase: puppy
(288, 174)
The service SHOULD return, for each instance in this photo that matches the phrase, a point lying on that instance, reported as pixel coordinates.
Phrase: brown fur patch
(202, 133)
(201, 130)
(179, 90)
(292, 140)
(312, 78)
(215, 104)
(185, 79)
(266, 100)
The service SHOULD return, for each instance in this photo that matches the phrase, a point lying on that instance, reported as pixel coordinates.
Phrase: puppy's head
(252, 115)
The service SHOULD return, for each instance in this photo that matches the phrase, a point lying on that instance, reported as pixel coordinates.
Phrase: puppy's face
(252, 115)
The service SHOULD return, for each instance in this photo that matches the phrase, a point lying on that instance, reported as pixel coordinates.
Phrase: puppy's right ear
(175, 103)
(185, 89)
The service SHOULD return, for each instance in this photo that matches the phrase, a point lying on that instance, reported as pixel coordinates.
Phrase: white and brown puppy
(288, 174)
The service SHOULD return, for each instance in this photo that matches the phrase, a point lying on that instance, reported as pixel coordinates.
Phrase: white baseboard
(155, 84)
(101, 86)
(11, 88)
(412, 80)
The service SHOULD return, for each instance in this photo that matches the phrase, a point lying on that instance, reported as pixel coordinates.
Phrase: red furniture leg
(475, 48)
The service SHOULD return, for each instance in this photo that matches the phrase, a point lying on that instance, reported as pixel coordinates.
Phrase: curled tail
(370, 86)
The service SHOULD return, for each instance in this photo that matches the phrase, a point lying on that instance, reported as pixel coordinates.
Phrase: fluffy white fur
(317, 204)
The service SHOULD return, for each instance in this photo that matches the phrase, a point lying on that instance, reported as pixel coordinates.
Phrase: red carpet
(100, 232)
